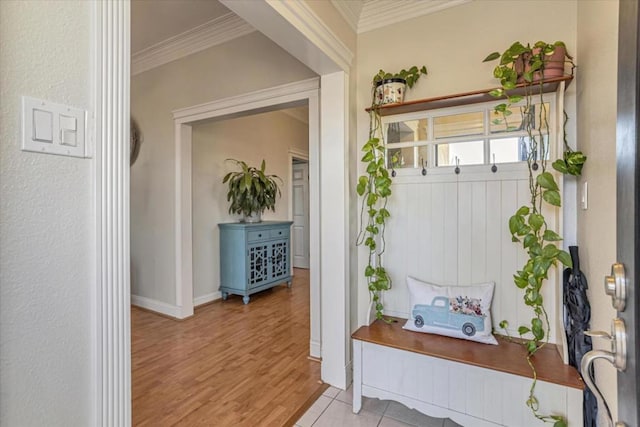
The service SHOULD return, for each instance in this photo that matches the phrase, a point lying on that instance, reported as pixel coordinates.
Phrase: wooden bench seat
(474, 384)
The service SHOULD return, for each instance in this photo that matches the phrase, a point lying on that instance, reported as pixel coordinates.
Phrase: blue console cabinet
(254, 257)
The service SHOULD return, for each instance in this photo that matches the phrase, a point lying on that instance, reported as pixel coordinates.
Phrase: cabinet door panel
(258, 270)
(279, 259)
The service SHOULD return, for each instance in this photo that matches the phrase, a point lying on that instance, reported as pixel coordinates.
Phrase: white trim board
(217, 31)
(155, 305)
(261, 100)
(298, 30)
(207, 298)
(111, 365)
(258, 101)
(306, 21)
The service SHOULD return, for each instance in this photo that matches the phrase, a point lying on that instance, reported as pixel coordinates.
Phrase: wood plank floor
(229, 365)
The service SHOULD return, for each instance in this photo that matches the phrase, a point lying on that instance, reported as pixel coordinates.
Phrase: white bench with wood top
(474, 384)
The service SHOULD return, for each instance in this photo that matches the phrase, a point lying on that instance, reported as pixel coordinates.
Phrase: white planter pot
(254, 217)
(390, 91)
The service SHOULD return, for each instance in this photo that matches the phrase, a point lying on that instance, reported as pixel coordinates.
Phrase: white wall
(242, 65)
(452, 44)
(46, 223)
(597, 87)
(267, 136)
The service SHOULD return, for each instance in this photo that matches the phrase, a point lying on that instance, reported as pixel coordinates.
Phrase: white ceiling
(154, 21)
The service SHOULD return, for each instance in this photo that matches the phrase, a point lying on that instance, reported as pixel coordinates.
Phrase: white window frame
(486, 136)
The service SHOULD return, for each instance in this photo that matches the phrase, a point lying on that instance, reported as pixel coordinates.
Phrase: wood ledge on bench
(507, 356)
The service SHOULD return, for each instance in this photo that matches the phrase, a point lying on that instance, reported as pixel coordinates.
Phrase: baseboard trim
(156, 306)
(315, 349)
(206, 299)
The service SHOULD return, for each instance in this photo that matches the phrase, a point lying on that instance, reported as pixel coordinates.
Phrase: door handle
(615, 286)
(617, 356)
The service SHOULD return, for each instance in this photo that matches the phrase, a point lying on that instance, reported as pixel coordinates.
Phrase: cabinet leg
(225, 295)
(245, 299)
(289, 284)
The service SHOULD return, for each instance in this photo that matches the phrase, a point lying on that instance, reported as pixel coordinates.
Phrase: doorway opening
(277, 98)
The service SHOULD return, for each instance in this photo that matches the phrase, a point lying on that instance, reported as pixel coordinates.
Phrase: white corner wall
(267, 136)
(597, 99)
(452, 44)
(46, 224)
(240, 66)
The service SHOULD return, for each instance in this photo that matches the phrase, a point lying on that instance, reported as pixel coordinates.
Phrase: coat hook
(424, 167)
(494, 168)
(457, 169)
(534, 166)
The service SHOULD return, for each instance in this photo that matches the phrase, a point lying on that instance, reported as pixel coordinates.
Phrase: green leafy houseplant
(391, 87)
(251, 191)
(527, 65)
(528, 225)
(410, 76)
(375, 188)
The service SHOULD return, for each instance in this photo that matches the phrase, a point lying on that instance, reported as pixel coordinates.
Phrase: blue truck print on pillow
(459, 313)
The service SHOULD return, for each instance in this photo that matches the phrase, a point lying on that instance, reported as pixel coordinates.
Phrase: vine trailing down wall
(375, 186)
(529, 66)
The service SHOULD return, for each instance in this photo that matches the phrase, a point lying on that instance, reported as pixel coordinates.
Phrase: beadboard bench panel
(473, 384)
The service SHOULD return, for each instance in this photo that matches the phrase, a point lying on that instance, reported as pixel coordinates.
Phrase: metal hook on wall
(494, 168)
(457, 169)
(424, 167)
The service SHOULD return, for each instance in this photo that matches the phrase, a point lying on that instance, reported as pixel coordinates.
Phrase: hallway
(229, 365)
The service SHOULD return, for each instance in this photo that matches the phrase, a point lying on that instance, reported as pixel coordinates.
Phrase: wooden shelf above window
(466, 98)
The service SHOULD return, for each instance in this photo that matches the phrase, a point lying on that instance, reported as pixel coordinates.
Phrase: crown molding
(381, 13)
(300, 15)
(350, 11)
(258, 99)
(217, 31)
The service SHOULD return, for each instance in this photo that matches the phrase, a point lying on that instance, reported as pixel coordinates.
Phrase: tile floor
(334, 408)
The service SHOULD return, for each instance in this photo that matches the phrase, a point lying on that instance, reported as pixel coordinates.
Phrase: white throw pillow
(455, 311)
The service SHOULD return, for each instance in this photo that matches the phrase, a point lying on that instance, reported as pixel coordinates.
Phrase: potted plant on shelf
(390, 87)
(375, 188)
(529, 67)
(251, 191)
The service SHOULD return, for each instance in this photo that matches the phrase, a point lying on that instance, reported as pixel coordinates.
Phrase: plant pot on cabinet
(390, 91)
(252, 217)
(553, 65)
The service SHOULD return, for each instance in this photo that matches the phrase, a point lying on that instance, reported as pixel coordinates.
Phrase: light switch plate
(53, 128)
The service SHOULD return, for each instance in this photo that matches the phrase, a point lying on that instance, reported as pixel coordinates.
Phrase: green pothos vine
(528, 225)
(375, 188)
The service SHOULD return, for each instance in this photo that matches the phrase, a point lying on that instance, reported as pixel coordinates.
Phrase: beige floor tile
(346, 396)
(390, 422)
(341, 414)
(331, 392)
(314, 412)
(412, 417)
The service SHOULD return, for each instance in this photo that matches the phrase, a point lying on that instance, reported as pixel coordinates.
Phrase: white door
(300, 208)
(628, 203)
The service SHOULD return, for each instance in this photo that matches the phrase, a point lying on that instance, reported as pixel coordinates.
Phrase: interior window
(466, 138)
(467, 153)
(407, 131)
(458, 125)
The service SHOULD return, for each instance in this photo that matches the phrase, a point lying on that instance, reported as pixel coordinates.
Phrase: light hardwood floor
(229, 365)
